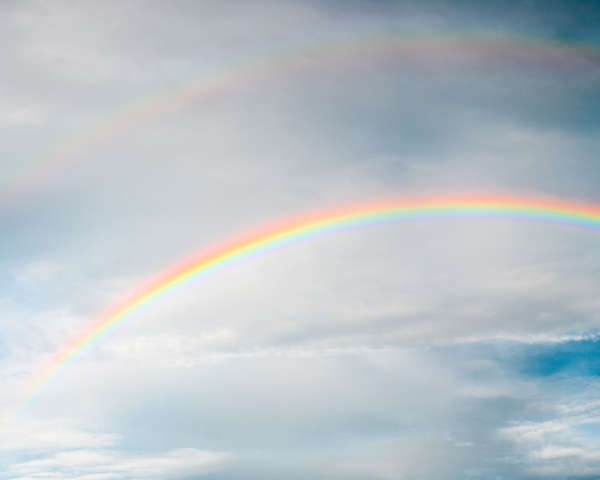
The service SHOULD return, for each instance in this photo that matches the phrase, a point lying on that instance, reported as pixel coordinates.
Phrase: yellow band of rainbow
(290, 230)
(365, 48)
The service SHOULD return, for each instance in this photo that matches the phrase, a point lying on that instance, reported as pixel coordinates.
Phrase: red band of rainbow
(291, 230)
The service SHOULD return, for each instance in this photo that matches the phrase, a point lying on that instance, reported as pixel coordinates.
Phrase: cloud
(87, 465)
(39, 436)
(563, 441)
(403, 351)
(61, 449)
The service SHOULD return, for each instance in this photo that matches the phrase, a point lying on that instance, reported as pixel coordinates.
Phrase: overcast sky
(135, 133)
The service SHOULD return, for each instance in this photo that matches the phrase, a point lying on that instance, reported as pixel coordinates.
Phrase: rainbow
(334, 52)
(293, 230)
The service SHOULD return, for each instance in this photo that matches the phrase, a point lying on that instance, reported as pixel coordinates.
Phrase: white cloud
(34, 436)
(88, 465)
(554, 451)
(555, 447)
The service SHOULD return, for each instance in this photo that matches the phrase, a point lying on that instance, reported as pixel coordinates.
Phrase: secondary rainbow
(366, 48)
(291, 230)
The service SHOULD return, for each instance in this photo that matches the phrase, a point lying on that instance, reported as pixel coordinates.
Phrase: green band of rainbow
(295, 229)
(365, 48)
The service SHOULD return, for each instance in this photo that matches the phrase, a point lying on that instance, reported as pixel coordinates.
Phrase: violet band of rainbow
(365, 48)
(289, 231)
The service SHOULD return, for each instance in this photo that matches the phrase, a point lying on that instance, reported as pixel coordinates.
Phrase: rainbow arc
(292, 230)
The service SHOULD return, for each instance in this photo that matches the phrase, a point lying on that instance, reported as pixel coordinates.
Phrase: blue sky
(452, 349)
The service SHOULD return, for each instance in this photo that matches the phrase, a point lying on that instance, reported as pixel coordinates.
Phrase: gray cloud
(380, 352)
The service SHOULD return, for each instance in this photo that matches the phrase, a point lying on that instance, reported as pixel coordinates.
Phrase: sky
(135, 133)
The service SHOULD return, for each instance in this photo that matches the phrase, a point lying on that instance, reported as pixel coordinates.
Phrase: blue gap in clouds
(575, 358)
